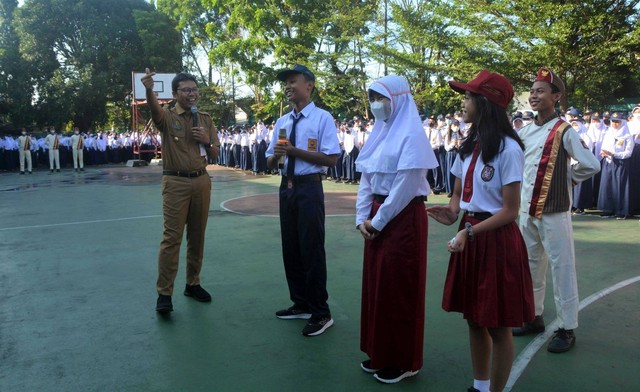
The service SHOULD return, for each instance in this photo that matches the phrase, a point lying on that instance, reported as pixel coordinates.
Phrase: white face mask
(527, 122)
(381, 110)
(24, 133)
(636, 116)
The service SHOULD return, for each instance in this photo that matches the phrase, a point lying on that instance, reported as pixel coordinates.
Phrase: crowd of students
(612, 138)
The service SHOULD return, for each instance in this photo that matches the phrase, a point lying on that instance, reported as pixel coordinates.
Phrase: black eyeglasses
(189, 90)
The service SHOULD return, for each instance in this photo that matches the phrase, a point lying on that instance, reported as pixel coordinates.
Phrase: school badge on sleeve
(312, 145)
(487, 173)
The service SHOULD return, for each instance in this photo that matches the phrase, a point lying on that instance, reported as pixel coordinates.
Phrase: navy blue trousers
(302, 229)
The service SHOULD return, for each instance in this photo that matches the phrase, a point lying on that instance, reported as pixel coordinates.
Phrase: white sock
(482, 385)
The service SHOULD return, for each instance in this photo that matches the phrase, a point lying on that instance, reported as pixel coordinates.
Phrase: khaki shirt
(180, 151)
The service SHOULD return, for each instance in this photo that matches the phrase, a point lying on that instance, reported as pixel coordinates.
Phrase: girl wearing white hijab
(391, 217)
(617, 147)
(583, 191)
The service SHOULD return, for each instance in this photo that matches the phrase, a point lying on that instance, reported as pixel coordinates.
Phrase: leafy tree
(83, 53)
(15, 86)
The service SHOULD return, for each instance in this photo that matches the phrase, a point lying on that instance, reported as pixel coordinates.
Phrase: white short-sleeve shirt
(489, 178)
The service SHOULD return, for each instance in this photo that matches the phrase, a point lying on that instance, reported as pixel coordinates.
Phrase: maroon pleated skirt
(393, 291)
(490, 282)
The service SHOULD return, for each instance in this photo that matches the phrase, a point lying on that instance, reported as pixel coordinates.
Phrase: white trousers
(550, 239)
(78, 158)
(54, 157)
(24, 155)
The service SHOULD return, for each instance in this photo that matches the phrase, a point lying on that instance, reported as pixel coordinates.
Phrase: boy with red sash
(545, 208)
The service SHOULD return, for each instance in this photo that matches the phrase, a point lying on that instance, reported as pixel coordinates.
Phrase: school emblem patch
(487, 173)
(312, 145)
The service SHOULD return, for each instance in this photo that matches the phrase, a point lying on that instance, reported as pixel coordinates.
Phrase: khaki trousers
(54, 157)
(185, 201)
(550, 240)
(78, 158)
(24, 155)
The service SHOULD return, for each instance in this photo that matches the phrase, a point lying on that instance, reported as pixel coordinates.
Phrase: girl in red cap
(488, 280)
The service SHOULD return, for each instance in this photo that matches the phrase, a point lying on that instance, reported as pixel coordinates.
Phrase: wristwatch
(469, 228)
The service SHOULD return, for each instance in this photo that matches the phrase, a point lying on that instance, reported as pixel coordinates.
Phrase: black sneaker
(472, 389)
(562, 341)
(164, 305)
(315, 328)
(392, 376)
(293, 313)
(197, 292)
(21, 173)
(534, 327)
(366, 366)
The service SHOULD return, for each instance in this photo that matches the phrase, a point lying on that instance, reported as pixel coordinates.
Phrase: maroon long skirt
(490, 282)
(394, 280)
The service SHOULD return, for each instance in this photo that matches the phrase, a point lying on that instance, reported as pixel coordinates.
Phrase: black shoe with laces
(318, 326)
(293, 312)
(164, 305)
(197, 292)
(534, 327)
(562, 341)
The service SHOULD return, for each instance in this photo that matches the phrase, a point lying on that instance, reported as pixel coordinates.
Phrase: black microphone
(194, 111)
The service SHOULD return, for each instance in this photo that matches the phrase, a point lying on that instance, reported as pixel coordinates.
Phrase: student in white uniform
(24, 144)
(53, 144)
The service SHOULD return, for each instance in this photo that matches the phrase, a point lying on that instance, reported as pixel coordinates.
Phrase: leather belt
(381, 198)
(478, 215)
(192, 174)
(315, 177)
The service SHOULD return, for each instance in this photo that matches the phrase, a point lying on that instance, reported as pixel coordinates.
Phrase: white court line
(523, 359)
(80, 222)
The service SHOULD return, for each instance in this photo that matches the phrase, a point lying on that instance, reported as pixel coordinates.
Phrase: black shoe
(30, 173)
(58, 170)
(366, 366)
(164, 305)
(392, 376)
(197, 292)
(449, 195)
(293, 313)
(21, 172)
(315, 328)
(472, 389)
(436, 192)
(536, 326)
(338, 181)
(81, 169)
(562, 341)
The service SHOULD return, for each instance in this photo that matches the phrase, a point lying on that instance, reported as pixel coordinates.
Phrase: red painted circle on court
(335, 203)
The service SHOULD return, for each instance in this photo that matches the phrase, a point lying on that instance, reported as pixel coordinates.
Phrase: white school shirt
(315, 132)
(489, 177)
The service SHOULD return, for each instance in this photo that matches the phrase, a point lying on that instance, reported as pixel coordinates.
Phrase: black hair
(181, 77)
(490, 127)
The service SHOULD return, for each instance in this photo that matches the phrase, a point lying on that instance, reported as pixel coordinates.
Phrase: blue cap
(618, 116)
(297, 69)
(573, 112)
(527, 115)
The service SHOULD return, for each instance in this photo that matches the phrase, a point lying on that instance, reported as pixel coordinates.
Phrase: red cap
(546, 75)
(495, 87)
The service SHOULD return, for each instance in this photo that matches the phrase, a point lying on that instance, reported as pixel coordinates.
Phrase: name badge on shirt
(312, 145)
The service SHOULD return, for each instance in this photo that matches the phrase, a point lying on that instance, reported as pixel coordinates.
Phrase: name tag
(312, 145)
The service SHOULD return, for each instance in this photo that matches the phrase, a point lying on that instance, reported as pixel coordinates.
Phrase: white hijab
(399, 143)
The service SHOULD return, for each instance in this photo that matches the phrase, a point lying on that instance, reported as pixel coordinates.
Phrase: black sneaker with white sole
(392, 376)
(293, 313)
(366, 366)
(317, 327)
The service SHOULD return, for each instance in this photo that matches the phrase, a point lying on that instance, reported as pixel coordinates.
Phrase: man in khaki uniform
(77, 145)
(24, 151)
(188, 137)
(53, 144)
